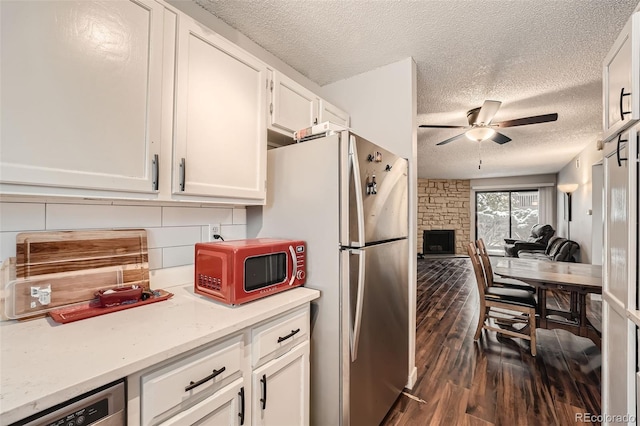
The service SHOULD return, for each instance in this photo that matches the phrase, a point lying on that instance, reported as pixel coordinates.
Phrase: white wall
(172, 230)
(579, 170)
(383, 108)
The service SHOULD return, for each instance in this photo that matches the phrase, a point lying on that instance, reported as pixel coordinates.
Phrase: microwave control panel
(300, 258)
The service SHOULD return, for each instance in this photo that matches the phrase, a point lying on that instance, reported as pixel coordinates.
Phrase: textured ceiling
(537, 57)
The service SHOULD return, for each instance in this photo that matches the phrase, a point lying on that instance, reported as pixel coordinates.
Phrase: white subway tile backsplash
(22, 217)
(173, 236)
(172, 230)
(185, 216)
(7, 245)
(171, 277)
(233, 232)
(80, 216)
(155, 259)
(240, 216)
(177, 256)
(205, 233)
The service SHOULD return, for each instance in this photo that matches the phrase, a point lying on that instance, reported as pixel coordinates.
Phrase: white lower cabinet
(226, 407)
(258, 376)
(281, 390)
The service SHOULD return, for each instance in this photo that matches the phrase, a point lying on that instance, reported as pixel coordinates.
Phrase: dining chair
(506, 305)
(494, 280)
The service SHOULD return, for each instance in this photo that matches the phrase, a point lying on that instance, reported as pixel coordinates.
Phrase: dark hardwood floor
(494, 381)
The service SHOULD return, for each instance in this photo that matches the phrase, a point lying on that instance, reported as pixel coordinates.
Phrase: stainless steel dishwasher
(104, 406)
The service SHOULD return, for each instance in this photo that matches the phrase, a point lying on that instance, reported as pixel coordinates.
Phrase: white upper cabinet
(329, 112)
(621, 80)
(616, 177)
(81, 86)
(220, 125)
(293, 107)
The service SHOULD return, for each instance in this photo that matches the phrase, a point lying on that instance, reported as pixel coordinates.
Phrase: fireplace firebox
(440, 241)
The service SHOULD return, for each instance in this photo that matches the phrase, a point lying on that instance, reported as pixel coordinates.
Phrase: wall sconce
(568, 188)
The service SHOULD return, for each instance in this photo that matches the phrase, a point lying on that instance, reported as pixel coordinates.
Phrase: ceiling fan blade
(528, 120)
(487, 112)
(500, 138)
(435, 126)
(451, 139)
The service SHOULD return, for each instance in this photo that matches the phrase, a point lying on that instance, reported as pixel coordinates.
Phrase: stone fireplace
(444, 204)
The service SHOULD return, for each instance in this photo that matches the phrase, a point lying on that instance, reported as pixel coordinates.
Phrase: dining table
(577, 279)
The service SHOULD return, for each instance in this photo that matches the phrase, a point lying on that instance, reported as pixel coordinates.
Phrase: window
(505, 214)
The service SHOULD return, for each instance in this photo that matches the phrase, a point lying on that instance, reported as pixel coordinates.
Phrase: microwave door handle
(294, 259)
(357, 184)
(357, 321)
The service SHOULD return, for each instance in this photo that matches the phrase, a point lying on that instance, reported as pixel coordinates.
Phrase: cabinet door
(80, 102)
(332, 113)
(616, 181)
(621, 80)
(293, 106)
(618, 362)
(619, 292)
(224, 408)
(220, 145)
(281, 390)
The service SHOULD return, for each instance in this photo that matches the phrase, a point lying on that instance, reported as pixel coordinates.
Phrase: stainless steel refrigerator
(347, 198)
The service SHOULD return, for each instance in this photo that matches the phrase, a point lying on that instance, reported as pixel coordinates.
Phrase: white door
(293, 106)
(281, 390)
(618, 345)
(81, 83)
(621, 80)
(330, 112)
(221, 134)
(224, 408)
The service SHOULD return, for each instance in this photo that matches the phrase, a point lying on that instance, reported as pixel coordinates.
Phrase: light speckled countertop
(43, 363)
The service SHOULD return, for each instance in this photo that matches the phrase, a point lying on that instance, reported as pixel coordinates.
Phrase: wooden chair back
(477, 268)
(486, 261)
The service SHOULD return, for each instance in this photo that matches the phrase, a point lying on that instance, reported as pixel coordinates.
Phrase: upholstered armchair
(537, 241)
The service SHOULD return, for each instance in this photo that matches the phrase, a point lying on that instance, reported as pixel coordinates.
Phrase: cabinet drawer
(225, 407)
(279, 336)
(187, 381)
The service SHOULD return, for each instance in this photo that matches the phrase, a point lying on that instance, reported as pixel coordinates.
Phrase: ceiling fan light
(480, 134)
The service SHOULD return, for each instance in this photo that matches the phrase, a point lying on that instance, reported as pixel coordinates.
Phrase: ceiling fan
(481, 128)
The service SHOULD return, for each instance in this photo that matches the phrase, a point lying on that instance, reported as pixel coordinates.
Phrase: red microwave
(235, 272)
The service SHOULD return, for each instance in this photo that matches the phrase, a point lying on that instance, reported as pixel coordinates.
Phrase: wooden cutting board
(74, 265)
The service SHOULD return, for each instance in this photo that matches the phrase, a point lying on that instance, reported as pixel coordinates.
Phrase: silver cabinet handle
(183, 173)
(155, 170)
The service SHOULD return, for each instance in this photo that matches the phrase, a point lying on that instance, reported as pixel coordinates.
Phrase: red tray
(93, 309)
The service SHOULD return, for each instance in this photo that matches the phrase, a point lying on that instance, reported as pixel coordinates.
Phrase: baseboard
(413, 377)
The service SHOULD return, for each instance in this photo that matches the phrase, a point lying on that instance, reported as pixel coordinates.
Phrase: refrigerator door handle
(357, 183)
(357, 320)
